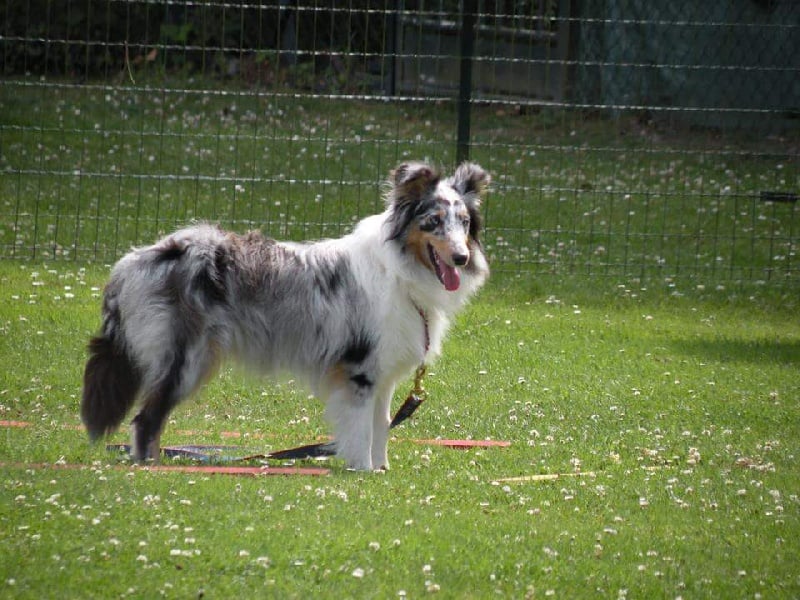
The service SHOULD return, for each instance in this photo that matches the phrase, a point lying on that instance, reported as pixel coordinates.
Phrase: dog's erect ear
(472, 180)
(408, 184)
(412, 179)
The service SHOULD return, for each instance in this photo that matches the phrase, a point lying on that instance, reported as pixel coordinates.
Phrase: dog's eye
(465, 222)
(431, 223)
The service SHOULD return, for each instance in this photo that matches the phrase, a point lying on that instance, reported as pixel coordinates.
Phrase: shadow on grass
(779, 352)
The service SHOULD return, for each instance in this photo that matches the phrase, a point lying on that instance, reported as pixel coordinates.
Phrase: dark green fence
(634, 139)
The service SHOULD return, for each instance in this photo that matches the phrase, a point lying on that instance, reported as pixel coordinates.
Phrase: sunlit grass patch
(652, 454)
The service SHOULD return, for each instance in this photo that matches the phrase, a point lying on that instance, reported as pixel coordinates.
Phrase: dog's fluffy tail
(111, 380)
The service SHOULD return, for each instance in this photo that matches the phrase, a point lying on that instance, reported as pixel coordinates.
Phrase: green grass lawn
(647, 383)
(672, 420)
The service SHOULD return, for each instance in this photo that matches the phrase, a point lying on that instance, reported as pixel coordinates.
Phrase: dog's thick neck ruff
(352, 316)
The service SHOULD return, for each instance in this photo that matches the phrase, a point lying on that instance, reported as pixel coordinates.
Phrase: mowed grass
(670, 419)
(659, 401)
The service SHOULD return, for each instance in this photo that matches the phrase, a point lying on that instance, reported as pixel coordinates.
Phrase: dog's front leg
(380, 427)
(351, 411)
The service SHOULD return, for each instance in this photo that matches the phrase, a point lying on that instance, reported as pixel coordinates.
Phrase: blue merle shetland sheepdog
(353, 316)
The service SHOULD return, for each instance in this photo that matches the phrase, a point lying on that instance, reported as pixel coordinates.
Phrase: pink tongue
(452, 279)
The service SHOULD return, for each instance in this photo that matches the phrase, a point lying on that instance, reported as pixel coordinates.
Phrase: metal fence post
(465, 78)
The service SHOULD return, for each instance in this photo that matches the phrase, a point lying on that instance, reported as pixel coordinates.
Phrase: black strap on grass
(308, 451)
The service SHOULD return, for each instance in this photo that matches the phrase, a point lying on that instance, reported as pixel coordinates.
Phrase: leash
(417, 395)
(415, 398)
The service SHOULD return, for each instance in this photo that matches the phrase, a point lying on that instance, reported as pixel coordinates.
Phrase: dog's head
(437, 218)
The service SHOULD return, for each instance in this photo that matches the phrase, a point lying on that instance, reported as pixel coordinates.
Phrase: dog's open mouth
(449, 276)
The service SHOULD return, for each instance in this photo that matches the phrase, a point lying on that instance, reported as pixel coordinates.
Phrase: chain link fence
(634, 139)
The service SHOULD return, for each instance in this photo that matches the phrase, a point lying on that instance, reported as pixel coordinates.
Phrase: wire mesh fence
(633, 139)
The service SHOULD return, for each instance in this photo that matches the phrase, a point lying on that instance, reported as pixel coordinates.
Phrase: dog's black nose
(460, 259)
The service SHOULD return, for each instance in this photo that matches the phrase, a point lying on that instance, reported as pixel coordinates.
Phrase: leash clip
(419, 380)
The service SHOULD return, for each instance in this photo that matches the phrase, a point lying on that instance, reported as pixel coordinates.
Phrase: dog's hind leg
(160, 398)
(179, 377)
